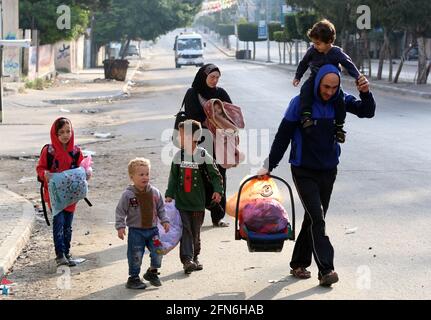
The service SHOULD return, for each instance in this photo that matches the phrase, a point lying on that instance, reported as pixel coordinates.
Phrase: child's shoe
(135, 283)
(189, 267)
(152, 276)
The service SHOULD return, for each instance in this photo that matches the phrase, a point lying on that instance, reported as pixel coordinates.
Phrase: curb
(120, 96)
(218, 47)
(124, 94)
(386, 88)
(382, 87)
(20, 235)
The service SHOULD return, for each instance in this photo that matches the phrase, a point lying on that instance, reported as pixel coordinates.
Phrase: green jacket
(185, 180)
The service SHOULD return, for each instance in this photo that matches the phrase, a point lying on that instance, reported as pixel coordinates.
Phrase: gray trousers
(190, 244)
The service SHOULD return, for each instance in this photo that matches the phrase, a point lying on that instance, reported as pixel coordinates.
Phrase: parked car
(132, 51)
(413, 54)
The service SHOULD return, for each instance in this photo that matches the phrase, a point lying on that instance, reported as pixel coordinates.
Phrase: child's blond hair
(138, 162)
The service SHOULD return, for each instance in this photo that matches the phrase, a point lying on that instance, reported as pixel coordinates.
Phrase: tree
(225, 30)
(42, 15)
(420, 26)
(342, 13)
(281, 37)
(273, 27)
(291, 30)
(142, 20)
(391, 17)
(249, 32)
(304, 22)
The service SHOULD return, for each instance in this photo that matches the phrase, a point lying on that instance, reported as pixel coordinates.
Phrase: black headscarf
(200, 81)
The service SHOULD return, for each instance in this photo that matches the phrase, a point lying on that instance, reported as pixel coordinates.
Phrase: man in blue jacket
(314, 156)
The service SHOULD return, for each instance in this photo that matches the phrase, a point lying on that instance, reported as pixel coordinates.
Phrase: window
(189, 44)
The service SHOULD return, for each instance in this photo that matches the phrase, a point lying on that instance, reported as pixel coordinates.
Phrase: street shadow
(179, 275)
(226, 296)
(307, 293)
(47, 269)
(272, 290)
(159, 69)
(118, 292)
(126, 294)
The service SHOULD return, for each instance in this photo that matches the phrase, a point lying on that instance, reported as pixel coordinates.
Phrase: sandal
(221, 224)
(300, 273)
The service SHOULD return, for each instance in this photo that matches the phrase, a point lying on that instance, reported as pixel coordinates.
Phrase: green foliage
(342, 13)
(225, 29)
(142, 19)
(242, 20)
(208, 21)
(274, 27)
(290, 27)
(395, 15)
(42, 15)
(38, 84)
(304, 22)
(248, 32)
(280, 36)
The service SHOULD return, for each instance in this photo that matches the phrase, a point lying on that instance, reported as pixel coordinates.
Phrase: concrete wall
(12, 59)
(80, 53)
(63, 56)
(69, 55)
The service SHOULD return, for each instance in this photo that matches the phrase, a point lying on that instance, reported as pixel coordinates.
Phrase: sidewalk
(88, 85)
(16, 219)
(28, 116)
(403, 88)
(22, 114)
(25, 115)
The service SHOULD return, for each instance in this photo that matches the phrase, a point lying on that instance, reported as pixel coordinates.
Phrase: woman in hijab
(204, 87)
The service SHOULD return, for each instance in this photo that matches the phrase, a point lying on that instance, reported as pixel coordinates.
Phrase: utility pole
(1, 62)
(24, 43)
(267, 31)
(246, 14)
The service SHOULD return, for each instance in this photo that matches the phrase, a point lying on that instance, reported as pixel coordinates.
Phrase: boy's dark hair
(323, 30)
(60, 124)
(196, 128)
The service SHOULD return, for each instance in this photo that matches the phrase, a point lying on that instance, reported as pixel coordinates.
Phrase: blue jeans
(62, 231)
(138, 239)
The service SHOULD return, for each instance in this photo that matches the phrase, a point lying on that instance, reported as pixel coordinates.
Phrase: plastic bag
(170, 239)
(264, 216)
(66, 188)
(265, 188)
(86, 163)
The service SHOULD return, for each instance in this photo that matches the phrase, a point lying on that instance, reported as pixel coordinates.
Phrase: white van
(189, 50)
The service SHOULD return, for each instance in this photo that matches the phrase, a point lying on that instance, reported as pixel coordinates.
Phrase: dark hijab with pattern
(200, 81)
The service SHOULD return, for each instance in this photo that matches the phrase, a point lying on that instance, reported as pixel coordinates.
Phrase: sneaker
(152, 276)
(189, 267)
(328, 279)
(135, 283)
(221, 224)
(61, 261)
(199, 265)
